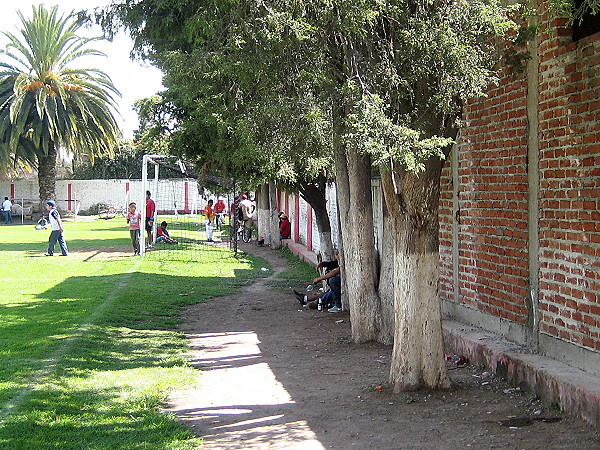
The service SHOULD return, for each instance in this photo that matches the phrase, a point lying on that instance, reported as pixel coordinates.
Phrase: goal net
(179, 204)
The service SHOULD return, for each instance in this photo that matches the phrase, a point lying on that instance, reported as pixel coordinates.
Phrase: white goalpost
(179, 202)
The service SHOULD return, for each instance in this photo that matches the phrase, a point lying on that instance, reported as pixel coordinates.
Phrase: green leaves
(281, 81)
(48, 103)
(370, 130)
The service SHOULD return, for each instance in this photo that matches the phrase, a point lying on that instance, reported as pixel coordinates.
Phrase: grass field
(88, 347)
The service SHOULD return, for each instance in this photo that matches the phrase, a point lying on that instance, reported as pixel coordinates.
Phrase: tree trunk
(314, 195)
(418, 352)
(386, 280)
(273, 217)
(262, 210)
(47, 176)
(353, 184)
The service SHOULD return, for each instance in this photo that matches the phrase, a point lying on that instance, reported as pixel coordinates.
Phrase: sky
(134, 80)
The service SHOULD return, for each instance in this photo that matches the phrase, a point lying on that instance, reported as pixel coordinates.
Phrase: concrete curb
(576, 392)
(301, 252)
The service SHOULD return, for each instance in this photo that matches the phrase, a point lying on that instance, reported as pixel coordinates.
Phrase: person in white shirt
(56, 235)
(247, 208)
(6, 206)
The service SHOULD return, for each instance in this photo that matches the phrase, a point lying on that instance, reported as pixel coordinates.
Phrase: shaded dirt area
(277, 376)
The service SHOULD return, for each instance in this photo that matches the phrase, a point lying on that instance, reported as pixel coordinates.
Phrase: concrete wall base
(576, 391)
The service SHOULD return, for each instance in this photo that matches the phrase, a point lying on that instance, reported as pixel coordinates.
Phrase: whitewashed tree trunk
(315, 195)
(353, 183)
(386, 286)
(326, 246)
(273, 219)
(418, 352)
(262, 209)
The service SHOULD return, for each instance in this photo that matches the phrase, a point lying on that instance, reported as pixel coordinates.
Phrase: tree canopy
(46, 102)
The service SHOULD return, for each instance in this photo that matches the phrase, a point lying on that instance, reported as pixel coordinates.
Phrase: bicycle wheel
(246, 234)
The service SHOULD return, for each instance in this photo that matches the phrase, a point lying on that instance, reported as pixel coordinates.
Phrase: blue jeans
(7, 217)
(57, 236)
(333, 297)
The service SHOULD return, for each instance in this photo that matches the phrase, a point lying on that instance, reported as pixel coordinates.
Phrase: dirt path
(279, 377)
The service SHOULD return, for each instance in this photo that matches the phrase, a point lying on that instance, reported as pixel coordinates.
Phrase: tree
(46, 103)
(226, 97)
(390, 78)
(125, 162)
(405, 69)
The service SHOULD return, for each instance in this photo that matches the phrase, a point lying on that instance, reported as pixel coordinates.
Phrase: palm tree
(46, 103)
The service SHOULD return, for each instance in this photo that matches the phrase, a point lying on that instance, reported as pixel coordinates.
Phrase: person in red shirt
(285, 227)
(219, 209)
(150, 210)
(162, 235)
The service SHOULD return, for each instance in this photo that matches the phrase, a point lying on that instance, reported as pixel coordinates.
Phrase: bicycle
(243, 232)
(110, 212)
(219, 220)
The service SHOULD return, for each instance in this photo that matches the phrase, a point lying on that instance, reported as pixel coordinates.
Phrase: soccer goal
(179, 203)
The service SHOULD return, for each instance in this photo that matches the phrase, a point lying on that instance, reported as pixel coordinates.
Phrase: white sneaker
(334, 309)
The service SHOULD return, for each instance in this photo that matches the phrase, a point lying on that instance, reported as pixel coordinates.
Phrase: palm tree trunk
(47, 175)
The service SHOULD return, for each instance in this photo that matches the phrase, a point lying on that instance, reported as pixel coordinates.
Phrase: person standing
(247, 208)
(209, 212)
(134, 219)
(6, 206)
(150, 210)
(56, 235)
(219, 209)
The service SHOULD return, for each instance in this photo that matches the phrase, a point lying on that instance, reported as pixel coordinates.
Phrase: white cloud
(133, 79)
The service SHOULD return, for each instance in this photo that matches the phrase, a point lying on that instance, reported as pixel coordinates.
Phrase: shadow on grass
(94, 417)
(114, 327)
(35, 249)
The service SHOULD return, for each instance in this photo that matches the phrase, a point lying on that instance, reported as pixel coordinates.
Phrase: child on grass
(134, 219)
(162, 235)
(42, 224)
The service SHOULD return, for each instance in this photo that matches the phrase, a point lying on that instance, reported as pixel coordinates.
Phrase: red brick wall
(492, 201)
(569, 140)
(446, 214)
(493, 269)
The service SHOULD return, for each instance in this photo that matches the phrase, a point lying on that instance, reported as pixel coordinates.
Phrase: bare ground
(276, 376)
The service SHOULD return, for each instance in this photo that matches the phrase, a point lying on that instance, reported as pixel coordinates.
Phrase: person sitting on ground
(162, 235)
(285, 227)
(41, 224)
(332, 299)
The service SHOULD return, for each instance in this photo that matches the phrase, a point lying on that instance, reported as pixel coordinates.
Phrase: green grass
(297, 275)
(89, 350)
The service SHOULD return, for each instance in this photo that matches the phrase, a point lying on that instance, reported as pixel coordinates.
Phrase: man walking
(56, 235)
(6, 206)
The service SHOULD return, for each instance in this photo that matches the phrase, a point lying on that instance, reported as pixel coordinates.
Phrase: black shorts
(149, 223)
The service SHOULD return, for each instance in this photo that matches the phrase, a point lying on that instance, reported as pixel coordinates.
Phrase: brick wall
(569, 140)
(492, 205)
(484, 231)
(446, 215)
